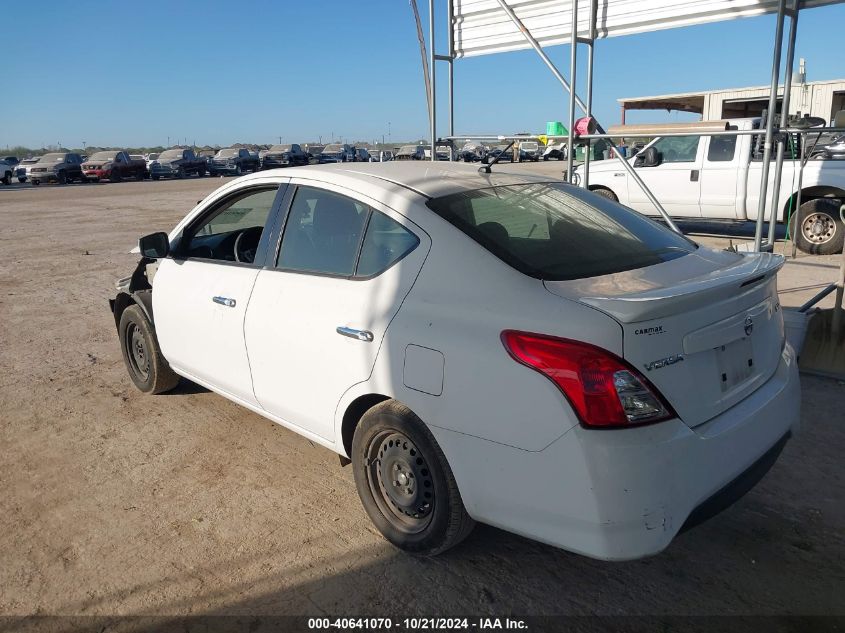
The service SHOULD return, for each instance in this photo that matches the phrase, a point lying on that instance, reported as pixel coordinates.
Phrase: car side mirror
(649, 157)
(154, 245)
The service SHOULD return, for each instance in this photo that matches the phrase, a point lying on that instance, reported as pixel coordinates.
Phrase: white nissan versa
(482, 347)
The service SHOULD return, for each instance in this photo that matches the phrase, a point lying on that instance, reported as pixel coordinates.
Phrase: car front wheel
(147, 367)
(405, 482)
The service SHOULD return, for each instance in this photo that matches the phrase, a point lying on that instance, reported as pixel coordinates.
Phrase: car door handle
(225, 301)
(361, 335)
(693, 175)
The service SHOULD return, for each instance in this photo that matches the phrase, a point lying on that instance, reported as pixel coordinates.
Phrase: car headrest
(335, 217)
(494, 232)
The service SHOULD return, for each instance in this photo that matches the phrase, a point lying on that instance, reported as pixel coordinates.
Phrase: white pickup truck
(718, 177)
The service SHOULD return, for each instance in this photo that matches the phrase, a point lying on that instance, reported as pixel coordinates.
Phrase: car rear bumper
(625, 494)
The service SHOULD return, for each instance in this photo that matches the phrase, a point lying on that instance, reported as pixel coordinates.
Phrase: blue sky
(221, 71)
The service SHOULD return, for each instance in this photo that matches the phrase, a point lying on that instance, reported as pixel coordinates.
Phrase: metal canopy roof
(481, 27)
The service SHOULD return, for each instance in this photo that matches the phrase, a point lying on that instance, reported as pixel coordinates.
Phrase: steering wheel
(246, 244)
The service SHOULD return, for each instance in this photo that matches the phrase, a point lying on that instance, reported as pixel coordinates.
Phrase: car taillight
(604, 390)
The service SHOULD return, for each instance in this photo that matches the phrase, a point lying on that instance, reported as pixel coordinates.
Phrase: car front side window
(233, 230)
(678, 149)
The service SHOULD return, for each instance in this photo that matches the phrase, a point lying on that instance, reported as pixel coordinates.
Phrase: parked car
(151, 158)
(114, 166)
(362, 155)
(288, 155)
(529, 151)
(313, 152)
(718, 177)
(23, 167)
(500, 153)
(7, 172)
(337, 153)
(59, 167)
(555, 151)
(381, 156)
(177, 163)
(410, 152)
(12, 161)
(234, 161)
(480, 347)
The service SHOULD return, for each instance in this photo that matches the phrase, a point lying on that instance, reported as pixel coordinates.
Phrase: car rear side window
(385, 243)
(556, 232)
(323, 233)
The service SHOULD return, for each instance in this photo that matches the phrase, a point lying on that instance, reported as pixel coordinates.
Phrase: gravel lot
(112, 502)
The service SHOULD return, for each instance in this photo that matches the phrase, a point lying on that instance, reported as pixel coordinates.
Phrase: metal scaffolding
(772, 133)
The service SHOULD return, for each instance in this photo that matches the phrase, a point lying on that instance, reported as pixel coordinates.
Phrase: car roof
(427, 178)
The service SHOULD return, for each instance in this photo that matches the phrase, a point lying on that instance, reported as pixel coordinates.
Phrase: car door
(675, 181)
(720, 177)
(201, 291)
(316, 320)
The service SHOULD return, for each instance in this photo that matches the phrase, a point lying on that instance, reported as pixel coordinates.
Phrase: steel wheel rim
(818, 228)
(136, 346)
(400, 481)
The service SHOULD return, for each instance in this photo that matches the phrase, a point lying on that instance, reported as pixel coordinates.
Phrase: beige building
(816, 98)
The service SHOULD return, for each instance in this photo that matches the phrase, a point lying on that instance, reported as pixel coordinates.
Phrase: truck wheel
(7, 179)
(139, 176)
(181, 173)
(155, 177)
(606, 193)
(817, 228)
(114, 176)
(147, 367)
(405, 483)
(238, 170)
(61, 178)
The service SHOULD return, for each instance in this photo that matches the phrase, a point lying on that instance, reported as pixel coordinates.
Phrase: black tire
(180, 174)
(36, 182)
(606, 193)
(114, 176)
(61, 178)
(22, 180)
(146, 366)
(156, 177)
(7, 179)
(139, 176)
(421, 511)
(817, 227)
(238, 170)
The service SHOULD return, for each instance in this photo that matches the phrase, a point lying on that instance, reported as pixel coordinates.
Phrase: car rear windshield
(556, 232)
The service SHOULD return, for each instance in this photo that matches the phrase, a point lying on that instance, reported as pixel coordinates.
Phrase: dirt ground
(113, 502)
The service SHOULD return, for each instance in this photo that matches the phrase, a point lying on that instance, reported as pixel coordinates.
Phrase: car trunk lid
(706, 329)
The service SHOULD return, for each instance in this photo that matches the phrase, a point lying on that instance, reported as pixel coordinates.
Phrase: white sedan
(483, 347)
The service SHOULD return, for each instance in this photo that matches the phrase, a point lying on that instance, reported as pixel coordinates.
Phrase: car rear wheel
(817, 227)
(146, 366)
(405, 483)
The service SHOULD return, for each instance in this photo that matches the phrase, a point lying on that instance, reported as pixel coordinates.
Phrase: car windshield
(226, 153)
(152, 157)
(280, 148)
(555, 232)
(408, 149)
(171, 153)
(332, 149)
(52, 158)
(103, 156)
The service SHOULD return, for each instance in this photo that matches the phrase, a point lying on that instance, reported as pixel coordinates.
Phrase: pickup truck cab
(234, 161)
(718, 177)
(337, 153)
(113, 166)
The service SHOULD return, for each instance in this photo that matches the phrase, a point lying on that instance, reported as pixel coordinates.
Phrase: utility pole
(280, 140)
(168, 141)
